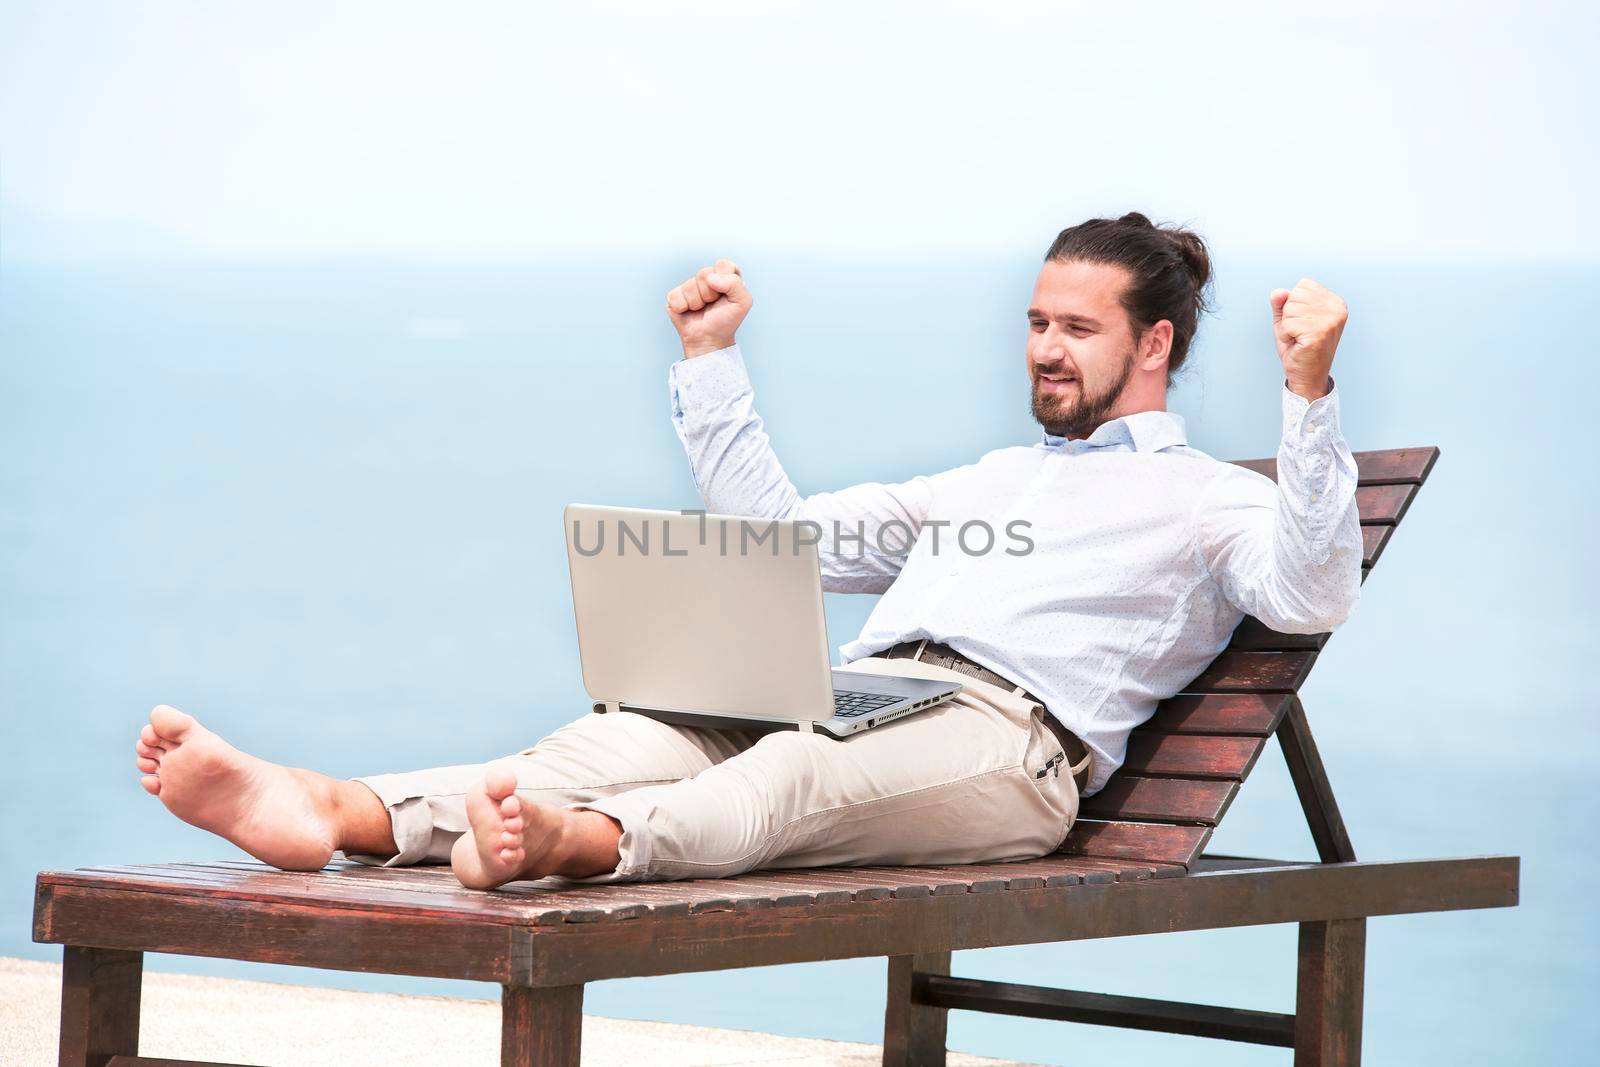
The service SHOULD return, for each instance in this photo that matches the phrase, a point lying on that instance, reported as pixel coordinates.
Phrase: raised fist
(1306, 323)
(707, 309)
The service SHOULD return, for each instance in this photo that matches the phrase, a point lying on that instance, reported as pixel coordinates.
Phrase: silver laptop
(712, 620)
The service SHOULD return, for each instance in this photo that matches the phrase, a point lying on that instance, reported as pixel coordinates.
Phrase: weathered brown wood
(1373, 541)
(1254, 672)
(1217, 861)
(943, 881)
(304, 933)
(318, 935)
(1219, 713)
(832, 881)
(100, 991)
(1146, 842)
(548, 905)
(1131, 870)
(1191, 755)
(914, 1032)
(566, 954)
(1100, 1009)
(1055, 869)
(1384, 503)
(540, 1027)
(1383, 467)
(1129, 796)
(1253, 635)
(1330, 992)
(268, 886)
(1311, 784)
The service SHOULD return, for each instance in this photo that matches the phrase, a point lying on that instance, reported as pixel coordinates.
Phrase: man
(1145, 554)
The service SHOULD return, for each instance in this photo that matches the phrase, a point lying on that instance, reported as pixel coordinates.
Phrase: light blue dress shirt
(1145, 553)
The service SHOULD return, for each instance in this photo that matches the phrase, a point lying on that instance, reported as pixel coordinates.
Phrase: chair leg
(913, 1033)
(99, 1005)
(540, 1027)
(1327, 1016)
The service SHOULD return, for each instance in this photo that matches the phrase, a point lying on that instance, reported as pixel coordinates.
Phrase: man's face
(1081, 346)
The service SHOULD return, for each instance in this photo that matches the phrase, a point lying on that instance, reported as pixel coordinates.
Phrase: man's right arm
(865, 531)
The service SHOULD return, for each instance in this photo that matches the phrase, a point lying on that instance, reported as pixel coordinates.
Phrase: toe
(148, 751)
(148, 766)
(500, 782)
(170, 723)
(151, 783)
(149, 736)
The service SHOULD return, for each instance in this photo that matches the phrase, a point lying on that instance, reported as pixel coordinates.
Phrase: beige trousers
(968, 780)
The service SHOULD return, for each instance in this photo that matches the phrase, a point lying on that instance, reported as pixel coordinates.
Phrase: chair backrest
(1186, 764)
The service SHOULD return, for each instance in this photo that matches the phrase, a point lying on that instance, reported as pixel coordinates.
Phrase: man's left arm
(1291, 556)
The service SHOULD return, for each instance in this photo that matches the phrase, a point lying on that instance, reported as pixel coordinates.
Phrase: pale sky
(466, 130)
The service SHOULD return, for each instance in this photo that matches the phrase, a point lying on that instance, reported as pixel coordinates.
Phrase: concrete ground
(266, 1024)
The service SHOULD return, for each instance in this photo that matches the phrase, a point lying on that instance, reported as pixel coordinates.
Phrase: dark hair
(1170, 268)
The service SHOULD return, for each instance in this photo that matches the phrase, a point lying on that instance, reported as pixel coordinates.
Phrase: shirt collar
(1143, 431)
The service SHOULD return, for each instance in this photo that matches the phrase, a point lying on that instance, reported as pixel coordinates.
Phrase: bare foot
(279, 815)
(509, 838)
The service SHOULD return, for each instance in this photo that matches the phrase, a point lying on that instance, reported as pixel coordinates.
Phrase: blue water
(319, 505)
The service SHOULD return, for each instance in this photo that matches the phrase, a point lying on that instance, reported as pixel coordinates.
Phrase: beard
(1079, 416)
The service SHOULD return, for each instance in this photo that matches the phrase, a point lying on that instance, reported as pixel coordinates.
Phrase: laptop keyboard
(848, 704)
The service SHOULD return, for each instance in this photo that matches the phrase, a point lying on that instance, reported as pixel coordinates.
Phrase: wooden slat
(831, 879)
(1378, 503)
(1396, 465)
(283, 887)
(1219, 713)
(1384, 503)
(1253, 635)
(1191, 755)
(943, 881)
(1374, 539)
(1123, 867)
(1385, 467)
(1149, 842)
(1183, 800)
(1251, 672)
(354, 881)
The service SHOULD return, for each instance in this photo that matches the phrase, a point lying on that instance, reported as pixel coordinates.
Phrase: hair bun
(1195, 257)
(1137, 218)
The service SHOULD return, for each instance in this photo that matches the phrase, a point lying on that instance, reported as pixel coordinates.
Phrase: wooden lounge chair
(1132, 865)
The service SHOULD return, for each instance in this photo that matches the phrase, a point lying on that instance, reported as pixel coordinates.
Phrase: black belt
(945, 656)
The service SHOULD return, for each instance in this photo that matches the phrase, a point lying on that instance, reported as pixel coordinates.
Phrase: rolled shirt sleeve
(1289, 554)
(866, 531)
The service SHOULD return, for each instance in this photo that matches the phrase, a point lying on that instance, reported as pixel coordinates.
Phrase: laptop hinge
(807, 727)
(603, 706)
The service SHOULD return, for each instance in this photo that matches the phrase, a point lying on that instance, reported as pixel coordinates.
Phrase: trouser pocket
(1045, 763)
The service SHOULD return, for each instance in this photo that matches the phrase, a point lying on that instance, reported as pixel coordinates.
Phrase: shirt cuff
(1307, 424)
(707, 379)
